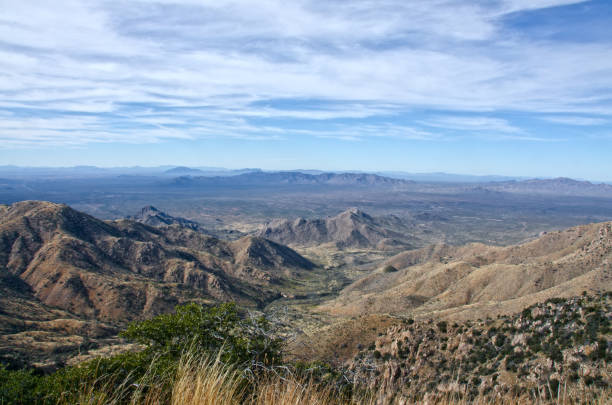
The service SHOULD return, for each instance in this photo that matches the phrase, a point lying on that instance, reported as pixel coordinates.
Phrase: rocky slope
(352, 228)
(556, 345)
(125, 269)
(34, 333)
(56, 262)
(475, 280)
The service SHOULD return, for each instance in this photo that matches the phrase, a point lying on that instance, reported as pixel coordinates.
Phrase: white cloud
(232, 61)
(495, 125)
(510, 6)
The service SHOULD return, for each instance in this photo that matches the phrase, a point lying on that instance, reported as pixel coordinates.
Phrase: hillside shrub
(217, 330)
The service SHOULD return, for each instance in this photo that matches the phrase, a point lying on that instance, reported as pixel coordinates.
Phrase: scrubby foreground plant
(219, 332)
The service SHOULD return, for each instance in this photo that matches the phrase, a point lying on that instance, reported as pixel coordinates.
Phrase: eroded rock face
(561, 341)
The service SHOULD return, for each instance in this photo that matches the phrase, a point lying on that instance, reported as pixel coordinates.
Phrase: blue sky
(514, 87)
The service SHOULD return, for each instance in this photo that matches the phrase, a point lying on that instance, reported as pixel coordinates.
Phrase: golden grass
(207, 382)
(210, 382)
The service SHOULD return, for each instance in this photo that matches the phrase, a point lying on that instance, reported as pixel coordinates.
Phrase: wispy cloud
(576, 120)
(240, 68)
(478, 124)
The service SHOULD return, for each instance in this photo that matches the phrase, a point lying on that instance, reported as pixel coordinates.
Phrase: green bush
(192, 329)
(218, 330)
(19, 387)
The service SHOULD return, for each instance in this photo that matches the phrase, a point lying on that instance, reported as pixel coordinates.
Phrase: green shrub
(218, 330)
(192, 329)
(19, 387)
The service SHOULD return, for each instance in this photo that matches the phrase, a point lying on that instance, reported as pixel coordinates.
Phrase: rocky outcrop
(150, 215)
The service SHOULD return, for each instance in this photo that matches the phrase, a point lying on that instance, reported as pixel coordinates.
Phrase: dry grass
(293, 392)
(210, 382)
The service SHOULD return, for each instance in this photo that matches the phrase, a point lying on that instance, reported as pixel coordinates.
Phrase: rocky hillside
(352, 228)
(476, 280)
(56, 262)
(555, 345)
(126, 269)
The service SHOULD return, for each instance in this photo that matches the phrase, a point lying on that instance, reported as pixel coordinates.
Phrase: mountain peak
(148, 209)
(350, 228)
(355, 212)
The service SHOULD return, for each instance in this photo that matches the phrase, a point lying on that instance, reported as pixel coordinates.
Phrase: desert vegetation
(554, 352)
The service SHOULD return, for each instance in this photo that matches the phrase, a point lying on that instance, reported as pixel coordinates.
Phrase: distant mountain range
(290, 178)
(93, 171)
(558, 186)
(10, 171)
(440, 177)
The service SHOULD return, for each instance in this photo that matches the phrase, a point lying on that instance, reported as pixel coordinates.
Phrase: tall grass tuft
(291, 391)
(208, 381)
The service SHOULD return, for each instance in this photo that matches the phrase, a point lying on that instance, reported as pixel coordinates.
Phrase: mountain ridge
(291, 178)
(351, 228)
(76, 262)
(477, 280)
(557, 186)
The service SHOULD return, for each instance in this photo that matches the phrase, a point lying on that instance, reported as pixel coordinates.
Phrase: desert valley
(398, 273)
